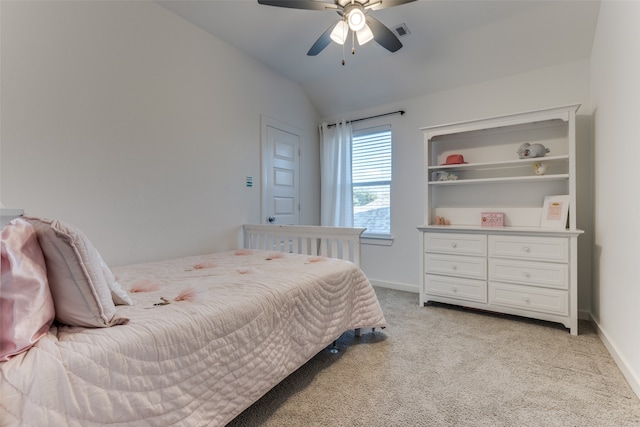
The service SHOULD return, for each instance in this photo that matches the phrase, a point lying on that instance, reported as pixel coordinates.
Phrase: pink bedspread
(196, 362)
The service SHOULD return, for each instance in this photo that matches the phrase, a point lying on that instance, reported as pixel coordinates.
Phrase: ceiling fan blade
(299, 4)
(384, 4)
(322, 42)
(382, 35)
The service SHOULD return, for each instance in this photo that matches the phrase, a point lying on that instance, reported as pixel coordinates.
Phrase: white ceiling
(452, 43)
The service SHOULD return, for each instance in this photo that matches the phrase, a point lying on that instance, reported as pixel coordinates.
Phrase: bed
(205, 337)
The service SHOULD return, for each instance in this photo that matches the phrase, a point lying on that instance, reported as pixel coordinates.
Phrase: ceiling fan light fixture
(357, 20)
(340, 32)
(364, 35)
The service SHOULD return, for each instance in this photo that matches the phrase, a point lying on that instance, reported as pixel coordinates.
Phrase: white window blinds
(371, 171)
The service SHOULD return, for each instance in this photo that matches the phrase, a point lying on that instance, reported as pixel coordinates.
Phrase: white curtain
(336, 193)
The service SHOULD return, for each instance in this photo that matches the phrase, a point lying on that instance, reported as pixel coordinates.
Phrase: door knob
(271, 219)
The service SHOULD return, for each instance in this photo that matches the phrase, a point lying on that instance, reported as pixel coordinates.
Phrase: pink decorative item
(26, 305)
(202, 265)
(187, 294)
(244, 252)
(246, 270)
(144, 286)
(492, 219)
(275, 255)
(319, 258)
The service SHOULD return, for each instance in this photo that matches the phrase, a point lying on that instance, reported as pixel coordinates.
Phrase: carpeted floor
(443, 366)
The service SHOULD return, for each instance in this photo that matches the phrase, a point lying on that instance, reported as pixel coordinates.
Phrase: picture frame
(492, 219)
(555, 211)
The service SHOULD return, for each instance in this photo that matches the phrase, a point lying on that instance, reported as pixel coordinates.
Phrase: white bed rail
(334, 242)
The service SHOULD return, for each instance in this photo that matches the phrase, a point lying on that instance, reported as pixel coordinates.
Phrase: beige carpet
(442, 366)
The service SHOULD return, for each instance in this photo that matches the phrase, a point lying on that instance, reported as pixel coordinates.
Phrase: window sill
(377, 240)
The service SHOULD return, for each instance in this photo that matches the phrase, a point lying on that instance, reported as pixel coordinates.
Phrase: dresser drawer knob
(526, 274)
(454, 245)
(454, 267)
(526, 249)
(525, 298)
(454, 289)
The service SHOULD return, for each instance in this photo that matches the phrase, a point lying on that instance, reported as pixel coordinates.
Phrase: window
(371, 175)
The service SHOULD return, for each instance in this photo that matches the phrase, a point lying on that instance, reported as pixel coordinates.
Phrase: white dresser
(514, 272)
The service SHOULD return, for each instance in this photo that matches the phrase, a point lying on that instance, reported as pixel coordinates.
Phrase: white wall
(550, 87)
(615, 69)
(138, 127)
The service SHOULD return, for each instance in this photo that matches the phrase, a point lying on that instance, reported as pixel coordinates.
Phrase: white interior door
(280, 173)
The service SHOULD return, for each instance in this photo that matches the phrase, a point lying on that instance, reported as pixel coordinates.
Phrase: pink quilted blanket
(245, 323)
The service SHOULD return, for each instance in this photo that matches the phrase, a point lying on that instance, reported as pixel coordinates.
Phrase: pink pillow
(80, 292)
(26, 306)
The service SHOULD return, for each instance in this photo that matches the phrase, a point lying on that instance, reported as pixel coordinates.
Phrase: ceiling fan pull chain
(353, 43)
(343, 61)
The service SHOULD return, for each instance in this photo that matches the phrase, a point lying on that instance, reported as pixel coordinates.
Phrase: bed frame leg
(358, 331)
(334, 348)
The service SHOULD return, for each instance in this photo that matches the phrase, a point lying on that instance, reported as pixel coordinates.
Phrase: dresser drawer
(456, 265)
(551, 301)
(455, 287)
(462, 244)
(554, 249)
(545, 274)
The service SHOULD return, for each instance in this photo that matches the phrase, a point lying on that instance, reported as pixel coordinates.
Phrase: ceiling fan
(355, 19)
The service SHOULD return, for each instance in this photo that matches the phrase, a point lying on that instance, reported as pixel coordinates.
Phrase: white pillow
(80, 292)
(118, 294)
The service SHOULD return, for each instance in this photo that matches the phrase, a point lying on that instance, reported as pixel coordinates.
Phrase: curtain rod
(371, 117)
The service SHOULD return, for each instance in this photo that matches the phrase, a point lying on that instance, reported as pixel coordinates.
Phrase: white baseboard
(397, 286)
(631, 376)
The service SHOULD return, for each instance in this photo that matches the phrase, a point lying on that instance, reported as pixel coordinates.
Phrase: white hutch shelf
(521, 268)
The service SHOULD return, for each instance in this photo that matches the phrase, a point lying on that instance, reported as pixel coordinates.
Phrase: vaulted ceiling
(451, 43)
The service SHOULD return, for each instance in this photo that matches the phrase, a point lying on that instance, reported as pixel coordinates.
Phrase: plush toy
(527, 150)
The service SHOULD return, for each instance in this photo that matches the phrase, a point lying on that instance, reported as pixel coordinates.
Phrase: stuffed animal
(527, 150)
